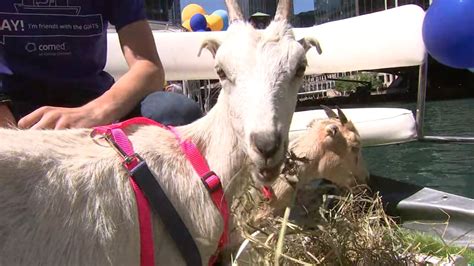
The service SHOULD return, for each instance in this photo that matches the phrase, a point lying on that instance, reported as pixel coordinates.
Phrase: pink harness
(115, 135)
(268, 193)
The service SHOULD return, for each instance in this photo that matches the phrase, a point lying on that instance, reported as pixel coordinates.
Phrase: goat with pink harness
(115, 135)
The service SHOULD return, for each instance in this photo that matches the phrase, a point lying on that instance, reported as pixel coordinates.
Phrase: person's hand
(49, 117)
(6, 117)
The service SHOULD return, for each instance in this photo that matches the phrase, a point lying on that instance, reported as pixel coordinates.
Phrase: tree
(365, 78)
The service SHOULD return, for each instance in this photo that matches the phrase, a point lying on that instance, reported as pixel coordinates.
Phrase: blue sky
(212, 5)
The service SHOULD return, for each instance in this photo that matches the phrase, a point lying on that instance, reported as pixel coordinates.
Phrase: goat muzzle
(266, 144)
(268, 175)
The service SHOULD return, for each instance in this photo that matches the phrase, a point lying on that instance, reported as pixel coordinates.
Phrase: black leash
(167, 213)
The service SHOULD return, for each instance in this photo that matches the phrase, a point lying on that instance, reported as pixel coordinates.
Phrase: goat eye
(300, 71)
(221, 73)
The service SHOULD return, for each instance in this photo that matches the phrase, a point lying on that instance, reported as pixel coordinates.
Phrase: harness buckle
(211, 181)
(130, 161)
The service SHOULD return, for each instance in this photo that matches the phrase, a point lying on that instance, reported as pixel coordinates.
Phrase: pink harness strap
(268, 193)
(147, 257)
(212, 182)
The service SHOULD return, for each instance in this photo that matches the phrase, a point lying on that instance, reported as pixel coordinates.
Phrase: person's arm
(145, 75)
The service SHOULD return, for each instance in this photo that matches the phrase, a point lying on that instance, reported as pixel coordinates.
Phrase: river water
(445, 167)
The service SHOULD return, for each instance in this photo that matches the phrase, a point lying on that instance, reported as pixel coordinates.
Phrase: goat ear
(332, 130)
(211, 45)
(329, 112)
(342, 116)
(309, 42)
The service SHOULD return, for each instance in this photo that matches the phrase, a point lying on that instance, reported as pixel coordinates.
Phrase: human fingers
(62, 124)
(74, 118)
(47, 121)
(32, 118)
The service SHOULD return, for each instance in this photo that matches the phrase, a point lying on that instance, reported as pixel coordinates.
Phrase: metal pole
(208, 96)
(357, 7)
(396, 3)
(385, 2)
(420, 111)
(421, 99)
(448, 139)
(185, 89)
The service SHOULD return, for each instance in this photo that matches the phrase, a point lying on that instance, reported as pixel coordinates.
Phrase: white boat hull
(390, 38)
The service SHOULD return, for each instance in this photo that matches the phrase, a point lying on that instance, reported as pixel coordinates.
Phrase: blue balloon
(448, 32)
(225, 17)
(198, 22)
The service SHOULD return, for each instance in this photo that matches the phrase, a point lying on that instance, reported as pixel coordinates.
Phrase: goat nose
(266, 144)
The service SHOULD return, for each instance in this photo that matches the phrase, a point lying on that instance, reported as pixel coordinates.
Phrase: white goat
(64, 200)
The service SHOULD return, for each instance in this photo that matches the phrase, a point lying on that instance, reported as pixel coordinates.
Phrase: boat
(420, 208)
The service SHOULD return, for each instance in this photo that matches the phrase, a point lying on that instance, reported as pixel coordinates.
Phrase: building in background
(332, 10)
(170, 10)
(250, 7)
(304, 19)
(164, 10)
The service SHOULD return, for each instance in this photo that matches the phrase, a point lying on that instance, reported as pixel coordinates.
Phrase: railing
(420, 111)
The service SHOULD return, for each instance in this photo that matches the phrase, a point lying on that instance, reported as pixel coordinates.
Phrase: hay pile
(338, 229)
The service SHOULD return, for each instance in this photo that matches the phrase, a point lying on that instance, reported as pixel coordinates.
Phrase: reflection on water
(446, 167)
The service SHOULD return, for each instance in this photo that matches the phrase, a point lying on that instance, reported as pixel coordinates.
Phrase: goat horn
(235, 14)
(284, 9)
(342, 116)
(329, 112)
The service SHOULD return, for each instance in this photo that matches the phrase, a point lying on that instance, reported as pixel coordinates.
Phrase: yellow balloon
(215, 22)
(207, 20)
(187, 25)
(190, 10)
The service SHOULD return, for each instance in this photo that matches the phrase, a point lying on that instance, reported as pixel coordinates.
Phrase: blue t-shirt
(60, 42)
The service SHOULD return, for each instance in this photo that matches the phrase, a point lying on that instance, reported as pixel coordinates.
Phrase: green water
(445, 167)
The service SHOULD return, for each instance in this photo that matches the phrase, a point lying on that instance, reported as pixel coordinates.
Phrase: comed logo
(52, 47)
(32, 47)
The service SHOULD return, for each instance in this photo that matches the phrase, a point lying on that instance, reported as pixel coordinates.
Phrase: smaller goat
(330, 149)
